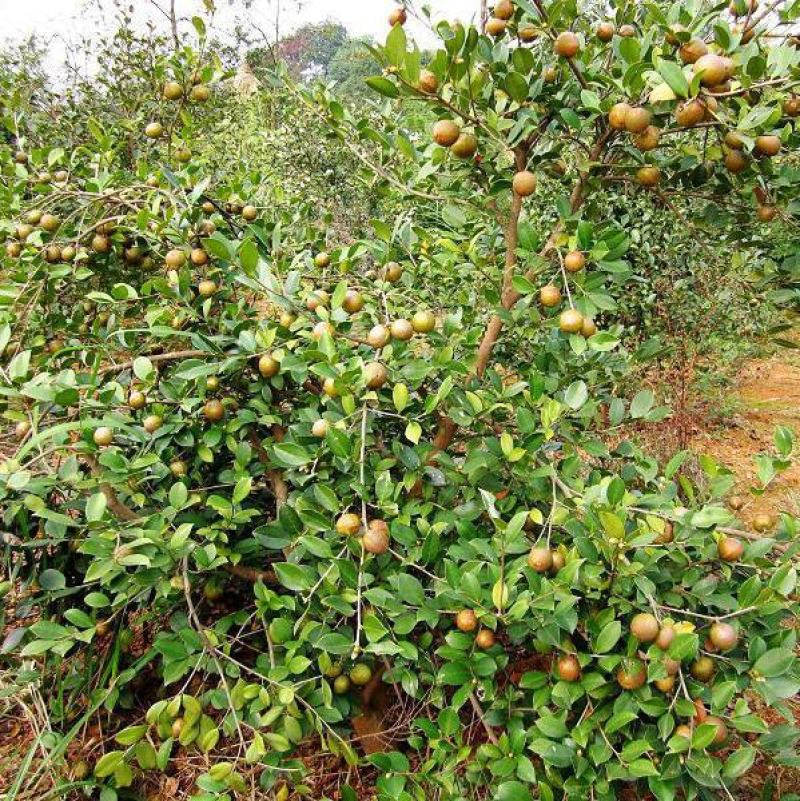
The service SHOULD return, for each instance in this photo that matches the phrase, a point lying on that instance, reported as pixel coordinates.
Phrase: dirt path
(766, 395)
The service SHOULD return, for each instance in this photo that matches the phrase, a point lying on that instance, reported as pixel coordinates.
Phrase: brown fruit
(34, 216)
(632, 674)
(605, 31)
(791, 106)
(540, 560)
(700, 713)
(423, 322)
(724, 636)
(665, 685)
(348, 525)
(268, 366)
(320, 428)
(627, 31)
(566, 44)
(495, 27)
(152, 423)
(103, 436)
(672, 666)
(52, 254)
(428, 82)
(376, 537)
(137, 399)
(524, 183)
(766, 213)
(574, 261)
(446, 132)
(24, 231)
(214, 411)
(692, 50)
(206, 288)
(713, 69)
(589, 328)
(504, 9)
(558, 561)
(736, 502)
(528, 33)
(183, 155)
(721, 734)
(466, 620)
(485, 639)
(637, 120)
(648, 139)
(730, 549)
(175, 259)
(212, 383)
(735, 161)
(68, 253)
(199, 257)
(353, 301)
(550, 295)
(402, 330)
(690, 113)
(768, 145)
(375, 375)
(568, 668)
(703, 668)
(644, 627)
(392, 272)
(570, 321)
(378, 336)
(13, 250)
(398, 16)
(465, 146)
(666, 634)
(550, 75)
(667, 535)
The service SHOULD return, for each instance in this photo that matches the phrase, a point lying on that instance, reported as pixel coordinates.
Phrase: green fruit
(341, 685)
(361, 674)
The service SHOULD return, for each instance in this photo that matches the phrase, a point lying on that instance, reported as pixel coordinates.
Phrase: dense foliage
(275, 487)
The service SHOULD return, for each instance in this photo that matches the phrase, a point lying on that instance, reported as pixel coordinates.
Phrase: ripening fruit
(52, 254)
(321, 328)
(320, 428)
(173, 90)
(766, 213)
(568, 668)
(198, 257)
(51, 223)
(667, 535)
(465, 147)
(574, 261)
(648, 139)
(570, 321)
(672, 666)
(353, 301)
(644, 627)
(637, 119)
(504, 9)
(713, 69)
(428, 82)
(206, 288)
(446, 132)
(402, 330)
(376, 537)
(540, 560)
(21, 429)
(466, 620)
(348, 525)
(34, 216)
(683, 731)
(378, 336)
(690, 113)
(485, 639)
(791, 106)
(632, 674)
(734, 141)
(423, 322)
(329, 388)
(322, 260)
(341, 685)
(665, 685)
(178, 468)
(736, 502)
(398, 16)
(724, 636)
(495, 27)
(24, 231)
(666, 634)
(763, 522)
(392, 272)
(13, 250)
(589, 328)
(361, 674)
(212, 383)
(550, 75)
(68, 253)
(375, 375)
(152, 423)
(286, 319)
(175, 259)
(137, 399)
(103, 436)
(692, 50)
(558, 561)
(721, 734)
(605, 31)
(768, 145)
(627, 31)
(154, 130)
(316, 299)
(214, 411)
(20, 157)
(566, 44)
(528, 33)
(703, 668)
(249, 213)
(735, 161)
(550, 295)
(524, 183)
(268, 366)
(730, 549)
(200, 93)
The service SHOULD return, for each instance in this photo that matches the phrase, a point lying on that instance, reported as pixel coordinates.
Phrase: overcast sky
(74, 18)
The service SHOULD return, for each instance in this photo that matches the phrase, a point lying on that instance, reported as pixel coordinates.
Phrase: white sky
(72, 19)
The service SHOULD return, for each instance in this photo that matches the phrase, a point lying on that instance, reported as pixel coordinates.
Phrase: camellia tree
(370, 494)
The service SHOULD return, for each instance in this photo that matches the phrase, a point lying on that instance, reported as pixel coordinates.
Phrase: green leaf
(396, 45)
(383, 86)
(294, 577)
(641, 403)
(516, 86)
(52, 579)
(774, 662)
(290, 454)
(608, 637)
(108, 763)
(738, 763)
(673, 75)
(576, 395)
(143, 368)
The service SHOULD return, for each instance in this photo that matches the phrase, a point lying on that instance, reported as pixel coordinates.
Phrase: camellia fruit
(730, 549)
(644, 627)
(496, 27)
(103, 436)
(566, 44)
(574, 261)
(766, 145)
(348, 524)
(214, 411)
(540, 559)
(568, 668)
(446, 133)
(485, 639)
(550, 295)
(703, 668)
(376, 537)
(605, 31)
(353, 301)
(466, 620)
(402, 330)
(423, 322)
(428, 82)
(398, 16)
(648, 176)
(375, 375)
(378, 336)
(524, 183)
(268, 366)
(465, 147)
(632, 674)
(637, 119)
(570, 321)
(618, 115)
(724, 636)
(320, 428)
